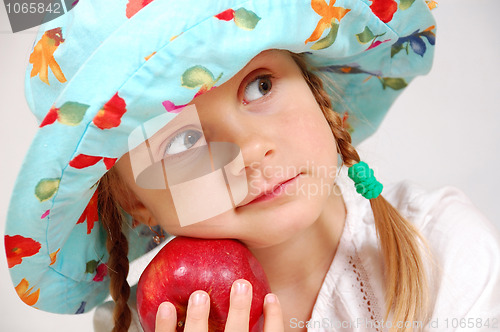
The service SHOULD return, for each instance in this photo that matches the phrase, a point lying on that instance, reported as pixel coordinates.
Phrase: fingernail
(241, 288)
(271, 298)
(165, 310)
(199, 298)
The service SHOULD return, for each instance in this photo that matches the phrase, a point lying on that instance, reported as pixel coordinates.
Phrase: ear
(136, 209)
(140, 213)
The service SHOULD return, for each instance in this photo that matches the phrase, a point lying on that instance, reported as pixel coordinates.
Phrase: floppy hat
(101, 70)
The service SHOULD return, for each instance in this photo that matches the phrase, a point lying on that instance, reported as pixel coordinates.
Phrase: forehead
(267, 58)
(269, 55)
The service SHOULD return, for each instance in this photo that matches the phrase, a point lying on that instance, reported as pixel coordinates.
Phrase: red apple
(185, 265)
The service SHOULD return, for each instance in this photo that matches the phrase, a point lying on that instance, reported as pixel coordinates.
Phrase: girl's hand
(238, 316)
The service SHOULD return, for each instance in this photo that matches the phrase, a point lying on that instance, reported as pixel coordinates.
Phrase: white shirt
(464, 294)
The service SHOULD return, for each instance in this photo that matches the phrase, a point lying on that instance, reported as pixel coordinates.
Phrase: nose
(225, 120)
(254, 141)
(257, 151)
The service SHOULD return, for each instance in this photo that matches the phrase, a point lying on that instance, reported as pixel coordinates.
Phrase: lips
(275, 191)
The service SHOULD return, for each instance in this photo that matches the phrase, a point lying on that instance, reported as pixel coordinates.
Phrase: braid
(117, 245)
(406, 282)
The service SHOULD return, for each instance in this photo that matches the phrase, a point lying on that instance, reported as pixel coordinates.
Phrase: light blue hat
(105, 67)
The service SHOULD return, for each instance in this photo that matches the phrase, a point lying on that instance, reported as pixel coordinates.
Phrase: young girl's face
(268, 110)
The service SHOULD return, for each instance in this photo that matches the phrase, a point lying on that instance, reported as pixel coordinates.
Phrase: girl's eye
(258, 88)
(183, 141)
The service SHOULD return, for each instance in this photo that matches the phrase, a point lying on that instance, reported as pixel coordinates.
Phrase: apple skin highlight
(185, 265)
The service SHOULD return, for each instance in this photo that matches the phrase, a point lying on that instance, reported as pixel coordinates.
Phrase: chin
(277, 226)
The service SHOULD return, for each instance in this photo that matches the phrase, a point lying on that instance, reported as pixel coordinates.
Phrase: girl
(319, 247)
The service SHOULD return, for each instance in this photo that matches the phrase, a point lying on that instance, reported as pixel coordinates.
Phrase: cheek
(309, 133)
(306, 120)
(161, 207)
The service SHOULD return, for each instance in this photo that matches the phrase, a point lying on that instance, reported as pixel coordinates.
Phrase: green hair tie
(365, 182)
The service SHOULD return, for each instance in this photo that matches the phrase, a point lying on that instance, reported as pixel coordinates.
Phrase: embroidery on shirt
(364, 292)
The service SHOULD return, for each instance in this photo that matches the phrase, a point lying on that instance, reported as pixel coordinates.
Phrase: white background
(443, 130)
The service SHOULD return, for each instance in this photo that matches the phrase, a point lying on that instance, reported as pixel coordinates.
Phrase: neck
(303, 260)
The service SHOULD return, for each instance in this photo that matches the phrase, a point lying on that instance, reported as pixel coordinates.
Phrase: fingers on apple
(273, 317)
(197, 312)
(166, 318)
(240, 301)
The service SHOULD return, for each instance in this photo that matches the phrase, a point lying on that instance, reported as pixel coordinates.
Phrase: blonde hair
(406, 284)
